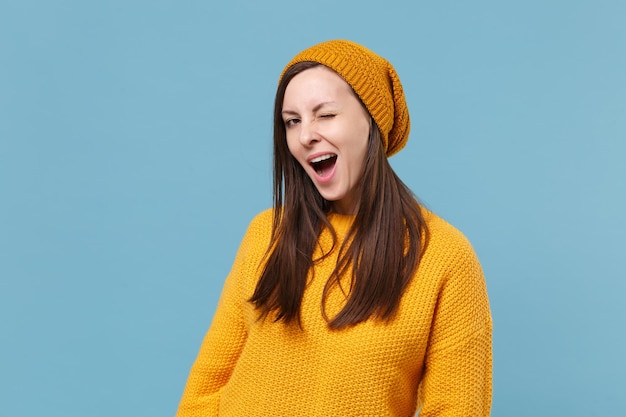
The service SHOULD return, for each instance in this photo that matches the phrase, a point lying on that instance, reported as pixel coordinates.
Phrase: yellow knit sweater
(434, 357)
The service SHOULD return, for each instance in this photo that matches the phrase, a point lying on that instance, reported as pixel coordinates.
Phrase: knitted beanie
(373, 79)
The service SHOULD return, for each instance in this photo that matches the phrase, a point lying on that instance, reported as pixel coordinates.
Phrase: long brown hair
(383, 245)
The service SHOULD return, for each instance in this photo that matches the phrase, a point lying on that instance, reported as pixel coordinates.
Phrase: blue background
(135, 147)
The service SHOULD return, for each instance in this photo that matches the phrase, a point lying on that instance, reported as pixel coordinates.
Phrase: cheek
(362, 145)
(360, 163)
(292, 147)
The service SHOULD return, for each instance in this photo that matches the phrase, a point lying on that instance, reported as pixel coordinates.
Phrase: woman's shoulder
(450, 260)
(259, 229)
(263, 219)
(443, 237)
(257, 236)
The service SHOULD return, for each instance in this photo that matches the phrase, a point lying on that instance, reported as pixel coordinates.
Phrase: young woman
(347, 298)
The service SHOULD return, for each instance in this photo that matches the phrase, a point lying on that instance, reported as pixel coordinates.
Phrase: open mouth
(324, 164)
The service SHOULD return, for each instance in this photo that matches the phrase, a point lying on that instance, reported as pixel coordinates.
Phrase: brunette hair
(383, 245)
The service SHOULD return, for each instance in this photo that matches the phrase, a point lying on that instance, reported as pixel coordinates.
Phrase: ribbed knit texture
(373, 79)
(435, 353)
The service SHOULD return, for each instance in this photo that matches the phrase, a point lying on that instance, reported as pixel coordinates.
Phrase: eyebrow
(316, 108)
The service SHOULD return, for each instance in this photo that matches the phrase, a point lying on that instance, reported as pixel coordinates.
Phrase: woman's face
(327, 132)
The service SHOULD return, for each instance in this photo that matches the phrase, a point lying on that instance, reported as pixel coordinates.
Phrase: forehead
(317, 82)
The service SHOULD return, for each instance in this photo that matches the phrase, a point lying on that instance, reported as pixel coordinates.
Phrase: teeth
(321, 158)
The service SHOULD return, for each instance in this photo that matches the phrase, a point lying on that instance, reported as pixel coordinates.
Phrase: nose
(308, 133)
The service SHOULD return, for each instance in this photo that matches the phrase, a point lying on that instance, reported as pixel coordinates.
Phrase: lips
(324, 165)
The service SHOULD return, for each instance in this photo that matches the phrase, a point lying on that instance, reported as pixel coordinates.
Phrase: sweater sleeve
(457, 378)
(221, 347)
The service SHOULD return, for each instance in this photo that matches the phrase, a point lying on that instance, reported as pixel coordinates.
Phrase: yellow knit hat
(373, 79)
